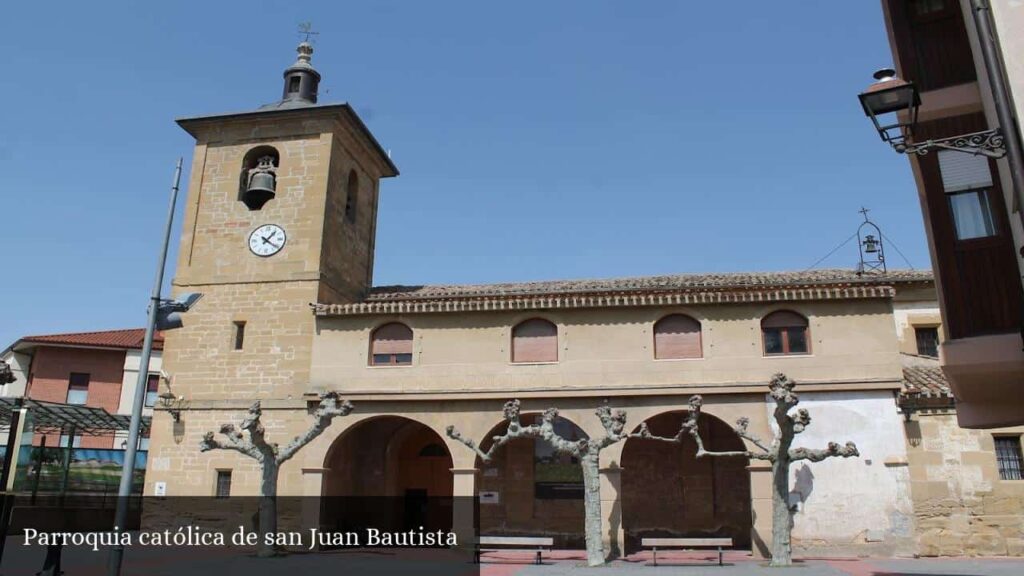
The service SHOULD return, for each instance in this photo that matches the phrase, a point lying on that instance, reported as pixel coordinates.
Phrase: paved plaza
(24, 561)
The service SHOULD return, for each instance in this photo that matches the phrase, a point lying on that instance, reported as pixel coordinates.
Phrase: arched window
(351, 196)
(677, 336)
(391, 345)
(785, 332)
(535, 340)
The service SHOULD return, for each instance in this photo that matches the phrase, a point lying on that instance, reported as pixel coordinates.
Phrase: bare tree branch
(692, 427)
(210, 443)
(330, 407)
(779, 453)
(800, 420)
(834, 449)
(645, 433)
(586, 451)
(269, 456)
(515, 430)
(741, 430)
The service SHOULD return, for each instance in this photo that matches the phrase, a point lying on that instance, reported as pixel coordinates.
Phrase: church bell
(262, 184)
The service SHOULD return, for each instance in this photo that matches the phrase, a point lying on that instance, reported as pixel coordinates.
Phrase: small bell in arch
(261, 184)
(870, 244)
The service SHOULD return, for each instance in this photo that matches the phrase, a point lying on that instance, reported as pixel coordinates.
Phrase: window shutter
(962, 171)
(535, 341)
(393, 338)
(677, 336)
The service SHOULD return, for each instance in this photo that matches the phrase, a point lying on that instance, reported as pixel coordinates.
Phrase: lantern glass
(897, 98)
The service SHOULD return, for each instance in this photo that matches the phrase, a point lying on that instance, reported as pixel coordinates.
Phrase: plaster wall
(848, 504)
(131, 374)
(910, 315)
(609, 351)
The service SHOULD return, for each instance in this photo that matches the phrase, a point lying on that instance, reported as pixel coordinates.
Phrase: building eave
(606, 300)
(194, 125)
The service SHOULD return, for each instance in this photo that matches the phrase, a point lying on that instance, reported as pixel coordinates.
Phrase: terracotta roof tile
(130, 338)
(925, 381)
(735, 280)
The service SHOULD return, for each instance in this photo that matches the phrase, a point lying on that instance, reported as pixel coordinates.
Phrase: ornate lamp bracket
(988, 143)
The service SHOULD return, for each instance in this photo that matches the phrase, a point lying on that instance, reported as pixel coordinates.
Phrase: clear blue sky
(536, 139)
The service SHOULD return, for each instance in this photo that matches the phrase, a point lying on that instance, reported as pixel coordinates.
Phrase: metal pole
(39, 468)
(128, 468)
(66, 473)
(981, 9)
(10, 469)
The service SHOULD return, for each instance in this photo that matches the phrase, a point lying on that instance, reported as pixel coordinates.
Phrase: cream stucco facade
(462, 370)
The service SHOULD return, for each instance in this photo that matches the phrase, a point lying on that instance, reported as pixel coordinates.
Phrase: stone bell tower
(281, 212)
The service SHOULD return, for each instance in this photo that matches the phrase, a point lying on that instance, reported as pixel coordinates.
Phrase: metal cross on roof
(864, 211)
(306, 29)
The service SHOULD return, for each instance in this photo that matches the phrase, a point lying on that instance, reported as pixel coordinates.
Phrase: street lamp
(891, 94)
(173, 404)
(168, 312)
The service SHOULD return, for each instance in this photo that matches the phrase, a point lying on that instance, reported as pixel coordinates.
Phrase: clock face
(267, 240)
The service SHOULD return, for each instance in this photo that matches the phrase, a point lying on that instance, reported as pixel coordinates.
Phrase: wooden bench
(498, 543)
(656, 543)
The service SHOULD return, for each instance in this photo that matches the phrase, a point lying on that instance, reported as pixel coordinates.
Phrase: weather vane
(306, 29)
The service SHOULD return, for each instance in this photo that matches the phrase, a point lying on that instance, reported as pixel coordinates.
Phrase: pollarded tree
(587, 451)
(780, 453)
(269, 456)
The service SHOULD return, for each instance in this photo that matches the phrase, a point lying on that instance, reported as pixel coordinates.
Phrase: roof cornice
(606, 300)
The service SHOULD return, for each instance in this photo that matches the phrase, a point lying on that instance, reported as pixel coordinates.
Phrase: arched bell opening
(667, 492)
(258, 178)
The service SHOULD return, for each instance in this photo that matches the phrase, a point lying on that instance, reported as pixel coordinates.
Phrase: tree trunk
(268, 508)
(782, 520)
(592, 506)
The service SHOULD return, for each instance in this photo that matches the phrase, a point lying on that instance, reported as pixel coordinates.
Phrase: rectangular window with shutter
(967, 180)
(675, 337)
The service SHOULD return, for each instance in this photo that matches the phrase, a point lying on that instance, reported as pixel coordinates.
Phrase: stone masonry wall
(962, 505)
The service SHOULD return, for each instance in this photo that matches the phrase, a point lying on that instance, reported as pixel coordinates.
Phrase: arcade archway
(392, 467)
(529, 489)
(668, 492)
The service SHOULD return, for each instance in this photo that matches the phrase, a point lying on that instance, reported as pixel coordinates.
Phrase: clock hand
(267, 241)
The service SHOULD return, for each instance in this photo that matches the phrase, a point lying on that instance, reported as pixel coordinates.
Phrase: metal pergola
(70, 419)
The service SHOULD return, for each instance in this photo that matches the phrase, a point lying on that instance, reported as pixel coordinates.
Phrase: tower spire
(301, 80)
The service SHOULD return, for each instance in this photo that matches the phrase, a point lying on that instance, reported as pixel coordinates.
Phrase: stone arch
(527, 489)
(392, 464)
(667, 492)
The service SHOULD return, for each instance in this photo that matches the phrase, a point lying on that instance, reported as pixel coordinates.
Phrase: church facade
(278, 235)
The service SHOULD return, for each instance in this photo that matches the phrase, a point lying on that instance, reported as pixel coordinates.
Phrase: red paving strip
(508, 563)
(854, 567)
